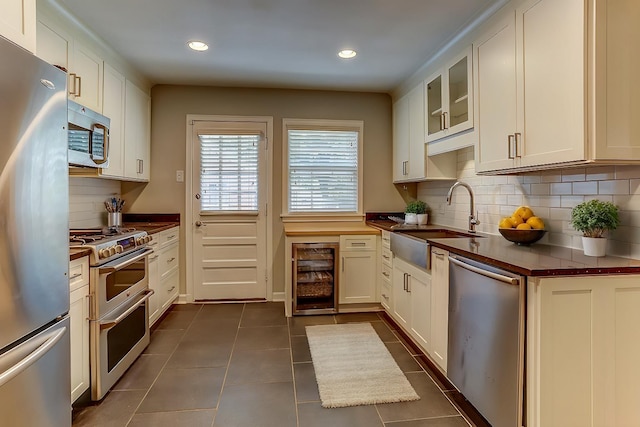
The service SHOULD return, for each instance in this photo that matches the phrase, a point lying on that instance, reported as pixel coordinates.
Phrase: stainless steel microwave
(88, 137)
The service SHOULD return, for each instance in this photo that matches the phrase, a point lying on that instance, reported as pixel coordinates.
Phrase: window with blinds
(323, 170)
(229, 172)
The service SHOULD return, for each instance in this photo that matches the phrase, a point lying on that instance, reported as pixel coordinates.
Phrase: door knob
(198, 196)
(198, 223)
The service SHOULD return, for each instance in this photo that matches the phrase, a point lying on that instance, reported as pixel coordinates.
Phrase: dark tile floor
(246, 365)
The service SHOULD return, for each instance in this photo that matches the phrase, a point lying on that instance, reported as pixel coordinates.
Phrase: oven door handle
(108, 324)
(114, 268)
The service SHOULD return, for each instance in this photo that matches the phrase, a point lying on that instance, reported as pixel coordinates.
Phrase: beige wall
(171, 104)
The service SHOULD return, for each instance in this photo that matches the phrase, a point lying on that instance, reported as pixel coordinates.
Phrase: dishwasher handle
(490, 274)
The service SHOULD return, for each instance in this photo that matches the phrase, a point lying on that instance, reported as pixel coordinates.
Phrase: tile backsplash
(86, 201)
(551, 195)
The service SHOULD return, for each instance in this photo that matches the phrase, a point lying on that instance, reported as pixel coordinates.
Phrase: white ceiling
(278, 43)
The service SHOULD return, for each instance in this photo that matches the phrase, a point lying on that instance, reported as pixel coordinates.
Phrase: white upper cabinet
(137, 133)
(449, 98)
(113, 107)
(18, 22)
(84, 67)
(554, 86)
(85, 77)
(408, 132)
(409, 156)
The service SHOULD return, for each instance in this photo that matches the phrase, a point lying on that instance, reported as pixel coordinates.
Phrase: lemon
(516, 220)
(505, 223)
(523, 226)
(523, 212)
(536, 223)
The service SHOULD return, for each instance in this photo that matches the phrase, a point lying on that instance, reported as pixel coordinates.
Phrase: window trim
(320, 124)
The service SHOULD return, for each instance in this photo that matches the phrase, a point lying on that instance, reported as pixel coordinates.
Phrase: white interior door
(230, 190)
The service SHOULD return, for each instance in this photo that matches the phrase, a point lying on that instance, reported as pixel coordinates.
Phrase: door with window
(230, 190)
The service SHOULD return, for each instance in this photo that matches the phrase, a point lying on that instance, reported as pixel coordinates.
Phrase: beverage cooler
(315, 278)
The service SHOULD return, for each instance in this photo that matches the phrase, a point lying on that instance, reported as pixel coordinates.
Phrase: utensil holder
(114, 219)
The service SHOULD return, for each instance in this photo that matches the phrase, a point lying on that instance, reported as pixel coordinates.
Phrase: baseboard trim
(278, 297)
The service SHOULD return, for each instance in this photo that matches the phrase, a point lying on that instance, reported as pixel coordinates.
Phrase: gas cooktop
(107, 244)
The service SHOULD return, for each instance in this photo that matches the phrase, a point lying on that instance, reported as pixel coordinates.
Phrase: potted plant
(593, 219)
(416, 212)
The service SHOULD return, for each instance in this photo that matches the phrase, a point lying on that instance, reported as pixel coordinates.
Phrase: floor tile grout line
(135, 411)
(233, 349)
(293, 374)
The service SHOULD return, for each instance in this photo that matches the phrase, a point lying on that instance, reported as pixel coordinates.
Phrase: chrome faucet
(473, 218)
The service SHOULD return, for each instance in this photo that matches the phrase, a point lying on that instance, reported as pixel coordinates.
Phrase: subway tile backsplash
(86, 201)
(551, 195)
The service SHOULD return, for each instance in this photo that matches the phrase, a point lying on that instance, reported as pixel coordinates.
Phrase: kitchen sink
(413, 247)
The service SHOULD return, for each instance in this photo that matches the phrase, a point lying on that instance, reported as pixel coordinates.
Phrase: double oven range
(118, 308)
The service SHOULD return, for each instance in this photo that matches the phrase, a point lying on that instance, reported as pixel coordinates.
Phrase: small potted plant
(593, 218)
(416, 212)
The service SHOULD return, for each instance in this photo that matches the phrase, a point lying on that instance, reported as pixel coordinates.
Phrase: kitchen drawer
(169, 288)
(386, 239)
(387, 256)
(361, 243)
(78, 273)
(168, 237)
(386, 272)
(386, 295)
(168, 260)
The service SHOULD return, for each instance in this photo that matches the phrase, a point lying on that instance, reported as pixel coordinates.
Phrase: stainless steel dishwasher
(486, 339)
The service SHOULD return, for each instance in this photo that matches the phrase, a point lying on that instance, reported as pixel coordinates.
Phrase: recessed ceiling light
(198, 45)
(347, 53)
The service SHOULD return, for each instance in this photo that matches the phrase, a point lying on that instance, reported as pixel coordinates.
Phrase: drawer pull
(171, 260)
(153, 258)
(171, 237)
(385, 256)
(358, 243)
(385, 274)
(75, 276)
(385, 297)
(172, 288)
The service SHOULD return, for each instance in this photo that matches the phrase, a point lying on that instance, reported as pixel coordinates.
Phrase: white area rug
(353, 367)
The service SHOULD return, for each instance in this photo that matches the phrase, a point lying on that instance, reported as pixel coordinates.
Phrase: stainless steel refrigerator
(34, 249)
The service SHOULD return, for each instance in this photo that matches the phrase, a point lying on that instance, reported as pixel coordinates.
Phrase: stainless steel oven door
(116, 341)
(113, 283)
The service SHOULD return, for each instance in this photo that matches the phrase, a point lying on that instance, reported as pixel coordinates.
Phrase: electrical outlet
(179, 176)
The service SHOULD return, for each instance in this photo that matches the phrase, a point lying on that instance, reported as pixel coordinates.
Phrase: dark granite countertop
(537, 259)
(534, 260)
(78, 253)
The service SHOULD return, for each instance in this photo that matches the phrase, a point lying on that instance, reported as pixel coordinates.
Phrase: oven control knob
(150, 237)
(112, 250)
(119, 249)
(147, 239)
(103, 253)
(139, 240)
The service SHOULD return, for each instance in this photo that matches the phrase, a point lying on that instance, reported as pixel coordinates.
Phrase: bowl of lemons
(523, 227)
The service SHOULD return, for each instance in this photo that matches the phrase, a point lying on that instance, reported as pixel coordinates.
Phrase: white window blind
(323, 171)
(229, 172)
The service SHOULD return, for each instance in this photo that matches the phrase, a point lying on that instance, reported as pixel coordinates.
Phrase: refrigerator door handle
(42, 348)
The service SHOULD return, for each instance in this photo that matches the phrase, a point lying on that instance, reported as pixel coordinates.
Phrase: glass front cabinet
(449, 99)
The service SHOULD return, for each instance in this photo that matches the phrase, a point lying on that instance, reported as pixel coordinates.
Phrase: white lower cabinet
(386, 272)
(358, 273)
(439, 306)
(583, 347)
(412, 301)
(164, 272)
(79, 325)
